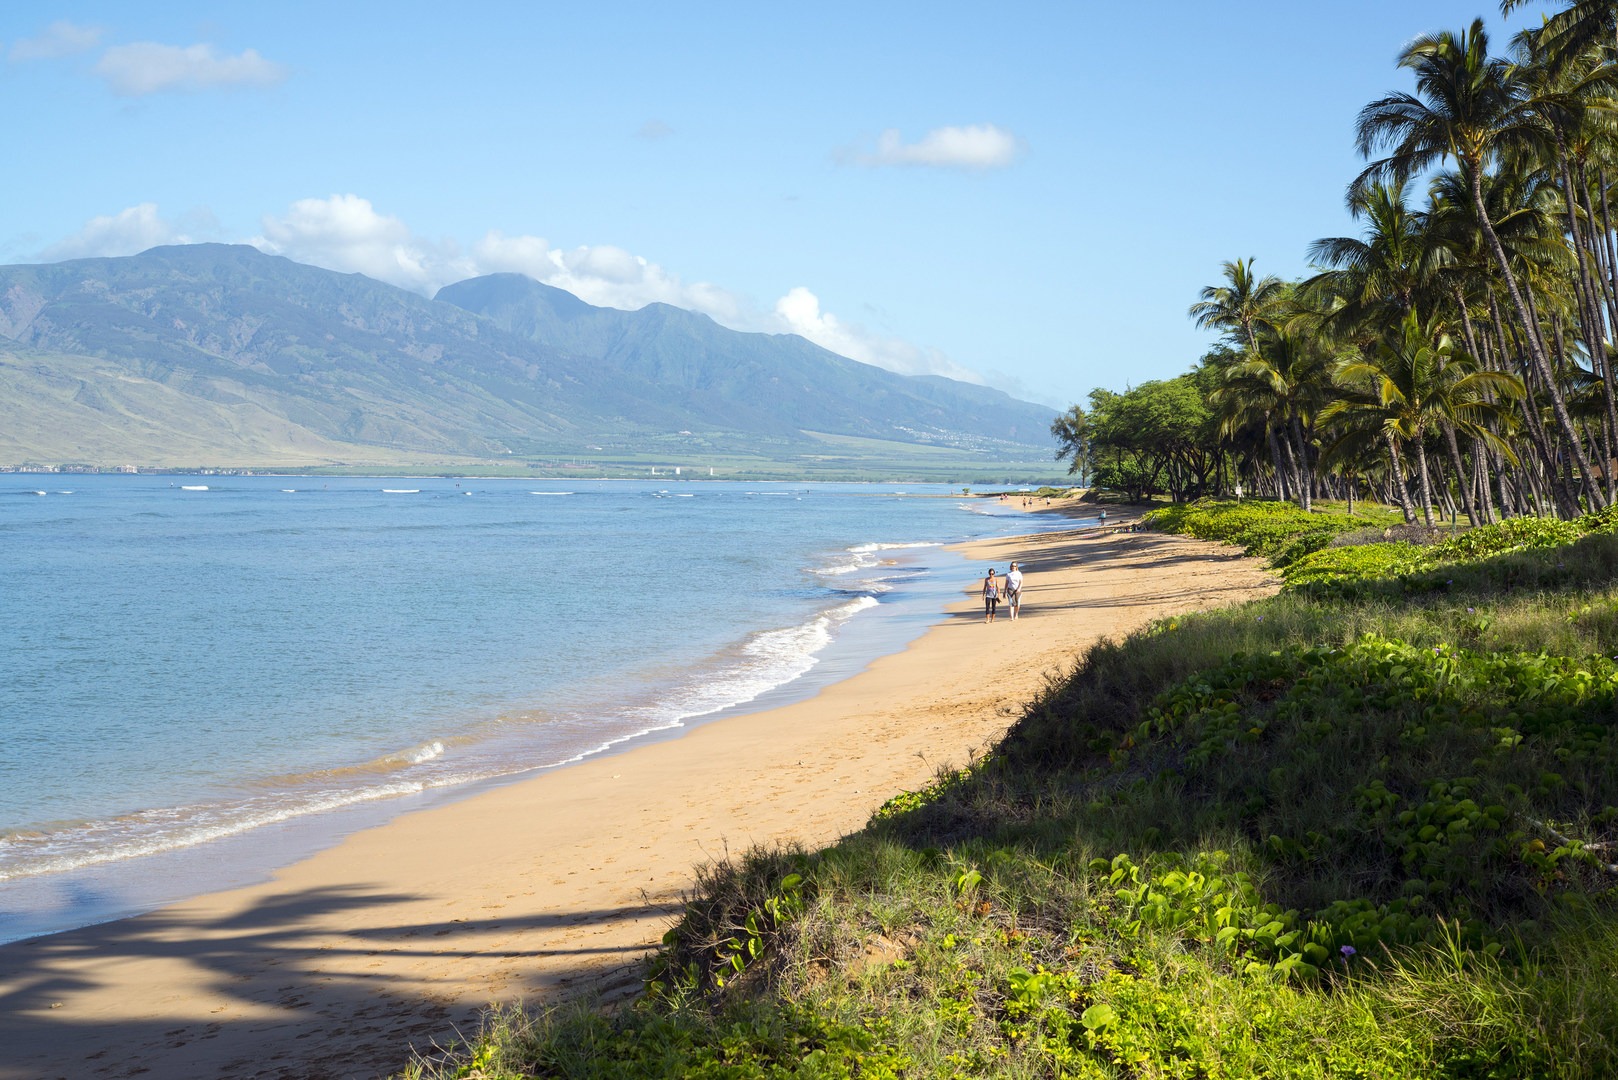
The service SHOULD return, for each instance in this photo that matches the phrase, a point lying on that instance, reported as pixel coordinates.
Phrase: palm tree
(1415, 382)
(1571, 33)
(1243, 306)
(1473, 108)
(1385, 270)
(1287, 372)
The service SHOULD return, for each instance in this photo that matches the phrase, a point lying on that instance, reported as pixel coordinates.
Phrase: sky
(1028, 195)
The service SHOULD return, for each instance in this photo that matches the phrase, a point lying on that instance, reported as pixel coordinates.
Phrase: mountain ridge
(180, 346)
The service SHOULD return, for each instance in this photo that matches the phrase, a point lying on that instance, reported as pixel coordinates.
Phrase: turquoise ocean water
(203, 678)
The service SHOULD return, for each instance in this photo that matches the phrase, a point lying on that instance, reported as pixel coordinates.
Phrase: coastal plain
(395, 938)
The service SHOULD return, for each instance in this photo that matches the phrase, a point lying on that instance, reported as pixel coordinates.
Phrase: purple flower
(1348, 950)
(1471, 611)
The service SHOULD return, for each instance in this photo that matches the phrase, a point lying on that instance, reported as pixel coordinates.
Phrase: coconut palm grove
(1453, 359)
(1364, 827)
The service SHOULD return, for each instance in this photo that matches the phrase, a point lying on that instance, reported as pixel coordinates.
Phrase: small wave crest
(422, 755)
(768, 659)
(865, 556)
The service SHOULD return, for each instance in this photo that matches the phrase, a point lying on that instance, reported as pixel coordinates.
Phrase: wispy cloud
(654, 129)
(146, 67)
(59, 39)
(976, 147)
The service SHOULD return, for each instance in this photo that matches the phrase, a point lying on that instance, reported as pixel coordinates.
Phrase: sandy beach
(397, 936)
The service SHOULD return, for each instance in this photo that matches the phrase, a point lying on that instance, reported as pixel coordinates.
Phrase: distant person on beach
(1014, 590)
(991, 596)
(1103, 517)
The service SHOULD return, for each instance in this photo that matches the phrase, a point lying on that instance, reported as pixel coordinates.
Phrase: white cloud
(604, 275)
(976, 147)
(798, 312)
(147, 67)
(124, 233)
(59, 39)
(345, 232)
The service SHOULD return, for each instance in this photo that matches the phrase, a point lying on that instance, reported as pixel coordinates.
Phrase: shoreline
(121, 886)
(399, 934)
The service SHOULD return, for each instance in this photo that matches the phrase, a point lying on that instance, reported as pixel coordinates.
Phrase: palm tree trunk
(1396, 477)
(1461, 484)
(1480, 478)
(1536, 349)
(1599, 354)
(1306, 480)
(1275, 458)
(1426, 484)
(1536, 429)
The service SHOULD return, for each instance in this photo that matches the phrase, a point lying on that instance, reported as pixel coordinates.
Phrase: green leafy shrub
(1337, 566)
(1513, 534)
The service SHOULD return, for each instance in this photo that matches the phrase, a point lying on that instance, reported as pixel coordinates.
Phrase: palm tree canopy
(1243, 305)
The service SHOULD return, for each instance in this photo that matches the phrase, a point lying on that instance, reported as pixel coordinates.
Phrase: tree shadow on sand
(264, 995)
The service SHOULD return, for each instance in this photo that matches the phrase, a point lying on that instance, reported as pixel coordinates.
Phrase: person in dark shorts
(991, 596)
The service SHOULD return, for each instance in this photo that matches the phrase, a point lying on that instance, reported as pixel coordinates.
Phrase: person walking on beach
(991, 596)
(1014, 590)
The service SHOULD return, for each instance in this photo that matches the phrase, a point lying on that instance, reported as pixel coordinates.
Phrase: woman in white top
(1014, 590)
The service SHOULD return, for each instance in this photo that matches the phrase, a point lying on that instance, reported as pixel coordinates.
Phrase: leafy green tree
(1159, 437)
(1071, 431)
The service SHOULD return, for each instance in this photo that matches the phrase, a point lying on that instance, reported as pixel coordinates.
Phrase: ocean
(206, 677)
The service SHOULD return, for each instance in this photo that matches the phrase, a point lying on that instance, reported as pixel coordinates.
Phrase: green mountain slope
(769, 383)
(221, 354)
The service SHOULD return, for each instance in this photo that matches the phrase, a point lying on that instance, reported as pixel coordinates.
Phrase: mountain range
(224, 355)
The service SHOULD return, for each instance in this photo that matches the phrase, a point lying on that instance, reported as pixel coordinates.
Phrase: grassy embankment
(1362, 829)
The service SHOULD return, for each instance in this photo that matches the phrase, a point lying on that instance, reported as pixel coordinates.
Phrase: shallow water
(209, 675)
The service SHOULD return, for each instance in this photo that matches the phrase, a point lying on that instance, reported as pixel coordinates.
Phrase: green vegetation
(1356, 832)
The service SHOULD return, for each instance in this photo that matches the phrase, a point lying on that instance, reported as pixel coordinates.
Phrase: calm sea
(206, 677)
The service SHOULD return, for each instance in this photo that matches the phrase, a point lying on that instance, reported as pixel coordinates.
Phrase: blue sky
(1028, 194)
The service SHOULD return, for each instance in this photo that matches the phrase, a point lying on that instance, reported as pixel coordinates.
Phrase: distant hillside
(225, 355)
(769, 383)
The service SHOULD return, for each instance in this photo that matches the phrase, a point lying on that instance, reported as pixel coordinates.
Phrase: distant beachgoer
(1014, 590)
(1103, 517)
(991, 596)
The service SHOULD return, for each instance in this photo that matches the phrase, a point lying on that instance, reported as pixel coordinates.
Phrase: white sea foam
(550, 493)
(864, 558)
(401, 491)
(769, 659)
